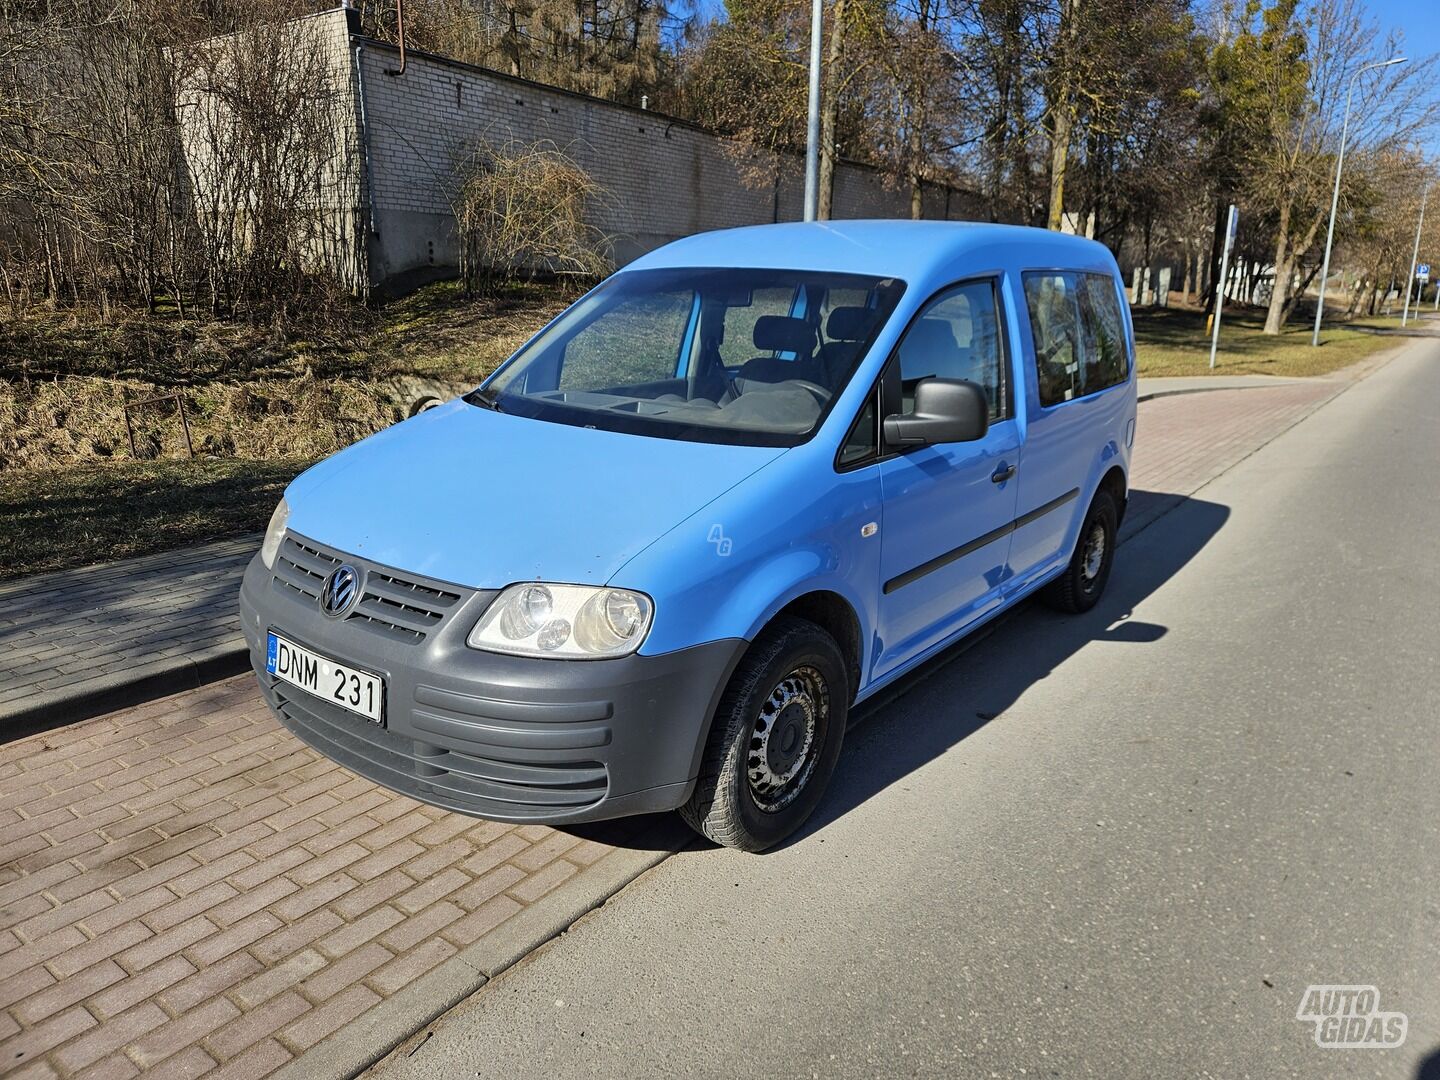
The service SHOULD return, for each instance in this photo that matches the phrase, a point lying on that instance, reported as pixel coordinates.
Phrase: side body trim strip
(915, 574)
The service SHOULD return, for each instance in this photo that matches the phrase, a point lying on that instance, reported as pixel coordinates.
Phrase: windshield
(713, 355)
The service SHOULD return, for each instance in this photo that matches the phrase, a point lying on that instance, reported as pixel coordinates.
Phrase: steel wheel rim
(784, 741)
(1094, 557)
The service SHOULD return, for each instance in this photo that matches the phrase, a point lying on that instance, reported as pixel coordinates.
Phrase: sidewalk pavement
(184, 887)
(78, 644)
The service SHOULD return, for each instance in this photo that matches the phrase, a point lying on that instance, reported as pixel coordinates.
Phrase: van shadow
(1174, 530)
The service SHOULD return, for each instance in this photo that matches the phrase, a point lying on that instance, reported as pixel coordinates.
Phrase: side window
(1055, 324)
(1107, 360)
(1079, 334)
(639, 340)
(957, 336)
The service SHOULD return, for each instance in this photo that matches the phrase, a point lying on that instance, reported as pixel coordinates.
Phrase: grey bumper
(500, 737)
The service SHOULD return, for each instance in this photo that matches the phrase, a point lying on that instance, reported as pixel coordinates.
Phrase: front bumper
(502, 737)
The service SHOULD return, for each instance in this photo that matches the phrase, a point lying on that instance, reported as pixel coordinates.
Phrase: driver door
(948, 508)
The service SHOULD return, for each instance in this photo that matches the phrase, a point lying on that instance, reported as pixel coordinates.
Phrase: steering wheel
(821, 394)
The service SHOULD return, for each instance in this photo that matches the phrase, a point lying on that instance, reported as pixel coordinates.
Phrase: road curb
(1151, 395)
(404, 1016)
(120, 690)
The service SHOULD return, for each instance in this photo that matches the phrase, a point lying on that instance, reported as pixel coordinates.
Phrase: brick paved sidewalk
(183, 885)
(80, 642)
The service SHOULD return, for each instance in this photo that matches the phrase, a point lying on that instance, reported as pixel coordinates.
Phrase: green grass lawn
(1425, 318)
(54, 519)
(1172, 341)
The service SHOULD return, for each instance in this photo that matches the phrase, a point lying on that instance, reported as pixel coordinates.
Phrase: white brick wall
(665, 179)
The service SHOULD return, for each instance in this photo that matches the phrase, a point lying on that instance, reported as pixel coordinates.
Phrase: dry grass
(260, 409)
(1172, 341)
(1425, 319)
(63, 384)
(56, 519)
(442, 333)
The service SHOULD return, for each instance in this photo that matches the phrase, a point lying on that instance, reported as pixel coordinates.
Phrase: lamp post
(1335, 198)
(1414, 261)
(812, 121)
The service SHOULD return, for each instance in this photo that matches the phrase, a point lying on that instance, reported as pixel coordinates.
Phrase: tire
(794, 678)
(1080, 587)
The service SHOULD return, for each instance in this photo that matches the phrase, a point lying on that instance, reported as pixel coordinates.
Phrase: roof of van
(910, 250)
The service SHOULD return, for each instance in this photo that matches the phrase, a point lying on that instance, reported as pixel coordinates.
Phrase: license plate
(350, 688)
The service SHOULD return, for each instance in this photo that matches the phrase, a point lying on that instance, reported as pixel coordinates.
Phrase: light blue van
(657, 558)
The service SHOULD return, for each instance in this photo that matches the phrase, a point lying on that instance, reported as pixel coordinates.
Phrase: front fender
(727, 570)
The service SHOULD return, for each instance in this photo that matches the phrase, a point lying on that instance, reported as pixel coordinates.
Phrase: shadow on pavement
(914, 737)
(1189, 524)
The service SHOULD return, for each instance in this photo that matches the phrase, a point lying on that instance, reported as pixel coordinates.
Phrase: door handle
(1003, 473)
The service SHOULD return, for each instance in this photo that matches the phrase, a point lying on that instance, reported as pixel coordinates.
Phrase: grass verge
(56, 519)
(1173, 341)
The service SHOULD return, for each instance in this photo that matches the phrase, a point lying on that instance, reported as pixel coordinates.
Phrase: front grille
(403, 609)
(468, 782)
(304, 568)
(395, 606)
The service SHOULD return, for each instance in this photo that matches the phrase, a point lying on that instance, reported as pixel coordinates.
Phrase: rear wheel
(1079, 588)
(775, 738)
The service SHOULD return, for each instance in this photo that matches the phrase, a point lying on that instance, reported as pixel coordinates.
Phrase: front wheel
(775, 739)
(1079, 588)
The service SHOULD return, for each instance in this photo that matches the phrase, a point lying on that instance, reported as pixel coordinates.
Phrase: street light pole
(1335, 198)
(1415, 261)
(812, 122)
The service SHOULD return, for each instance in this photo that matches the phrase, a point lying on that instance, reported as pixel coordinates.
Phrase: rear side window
(1079, 334)
(1107, 360)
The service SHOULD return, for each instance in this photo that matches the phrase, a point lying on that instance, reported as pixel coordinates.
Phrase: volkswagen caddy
(654, 561)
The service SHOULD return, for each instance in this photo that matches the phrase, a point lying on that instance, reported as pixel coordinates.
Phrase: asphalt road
(1116, 845)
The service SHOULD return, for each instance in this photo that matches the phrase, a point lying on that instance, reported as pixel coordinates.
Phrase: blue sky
(1418, 21)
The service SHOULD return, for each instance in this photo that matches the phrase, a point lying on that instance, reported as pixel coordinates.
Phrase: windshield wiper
(486, 399)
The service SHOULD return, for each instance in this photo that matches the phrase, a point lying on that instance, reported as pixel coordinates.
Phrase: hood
(481, 499)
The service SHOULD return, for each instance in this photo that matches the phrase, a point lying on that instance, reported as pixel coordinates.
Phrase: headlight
(274, 533)
(569, 621)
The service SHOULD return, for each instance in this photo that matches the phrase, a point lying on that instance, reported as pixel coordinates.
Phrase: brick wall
(665, 179)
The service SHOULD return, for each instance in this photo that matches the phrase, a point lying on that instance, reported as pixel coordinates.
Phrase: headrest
(850, 323)
(783, 333)
(929, 341)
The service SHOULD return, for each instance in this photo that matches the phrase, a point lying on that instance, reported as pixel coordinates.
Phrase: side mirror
(946, 411)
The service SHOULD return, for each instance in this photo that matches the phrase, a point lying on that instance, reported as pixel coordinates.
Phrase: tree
(616, 49)
(1306, 63)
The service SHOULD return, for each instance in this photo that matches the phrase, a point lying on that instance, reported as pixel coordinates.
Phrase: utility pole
(1415, 260)
(1232, 222)
(812, 122)
(1335, 198)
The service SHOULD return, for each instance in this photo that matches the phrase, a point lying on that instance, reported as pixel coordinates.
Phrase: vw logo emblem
(341, 590)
